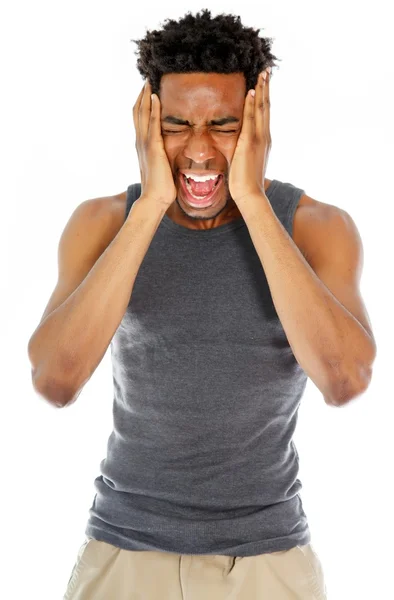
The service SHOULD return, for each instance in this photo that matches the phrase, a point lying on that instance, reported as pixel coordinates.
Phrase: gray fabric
(206, 393)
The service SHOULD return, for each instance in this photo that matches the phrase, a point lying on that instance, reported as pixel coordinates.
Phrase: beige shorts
(105, 572)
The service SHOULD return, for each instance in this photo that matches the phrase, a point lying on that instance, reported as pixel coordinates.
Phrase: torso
(118, 206)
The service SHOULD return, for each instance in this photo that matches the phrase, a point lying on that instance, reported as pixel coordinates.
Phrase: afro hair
(203, 44)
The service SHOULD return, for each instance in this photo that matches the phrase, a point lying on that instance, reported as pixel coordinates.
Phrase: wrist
(156, 205)
(252, 199)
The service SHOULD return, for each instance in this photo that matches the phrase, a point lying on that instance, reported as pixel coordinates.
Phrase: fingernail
(264, 75)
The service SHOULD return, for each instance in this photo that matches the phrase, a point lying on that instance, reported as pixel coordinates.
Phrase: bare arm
(72, 339)
(95, 284)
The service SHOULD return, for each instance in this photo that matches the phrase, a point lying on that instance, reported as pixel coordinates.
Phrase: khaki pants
(105, 572)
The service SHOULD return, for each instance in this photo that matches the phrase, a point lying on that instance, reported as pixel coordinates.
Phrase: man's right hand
(157, 181)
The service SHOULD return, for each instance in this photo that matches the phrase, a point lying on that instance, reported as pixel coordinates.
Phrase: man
(220, 292)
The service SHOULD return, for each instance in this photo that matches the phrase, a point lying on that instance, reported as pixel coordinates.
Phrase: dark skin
(313, 275)
(326, 322)
(200, 98)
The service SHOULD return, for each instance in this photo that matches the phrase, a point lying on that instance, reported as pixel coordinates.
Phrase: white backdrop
(69, 85)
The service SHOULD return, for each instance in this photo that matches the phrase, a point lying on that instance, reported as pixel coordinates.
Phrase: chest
(302, 223)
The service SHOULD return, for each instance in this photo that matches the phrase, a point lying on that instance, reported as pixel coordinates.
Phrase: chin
(210, 212)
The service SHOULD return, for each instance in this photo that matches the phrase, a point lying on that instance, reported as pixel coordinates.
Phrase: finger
(267, 107)
(259, 106)
(136, 109)
(154, 130)
(248, 123)
(144, 111)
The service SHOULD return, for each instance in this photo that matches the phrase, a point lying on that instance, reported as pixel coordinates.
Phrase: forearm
(70, 343)
(327, 341)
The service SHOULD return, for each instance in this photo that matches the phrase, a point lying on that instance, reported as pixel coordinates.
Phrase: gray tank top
(206, 393)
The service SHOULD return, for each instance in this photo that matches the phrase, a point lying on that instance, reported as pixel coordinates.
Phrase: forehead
(202, 94)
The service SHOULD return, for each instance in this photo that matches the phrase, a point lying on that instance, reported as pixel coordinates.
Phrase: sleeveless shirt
(201, 458)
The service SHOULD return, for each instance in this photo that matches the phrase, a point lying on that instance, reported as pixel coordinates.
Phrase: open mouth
(200, 200)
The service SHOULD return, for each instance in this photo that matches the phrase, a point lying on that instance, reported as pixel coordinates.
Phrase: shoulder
(94, 223)
(106, 213)
(319, 225)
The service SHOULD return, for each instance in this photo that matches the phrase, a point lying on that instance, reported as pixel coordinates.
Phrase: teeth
(191, 193)
(201, 177)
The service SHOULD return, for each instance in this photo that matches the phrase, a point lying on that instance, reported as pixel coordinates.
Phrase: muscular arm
(91, 297)
(320, 308)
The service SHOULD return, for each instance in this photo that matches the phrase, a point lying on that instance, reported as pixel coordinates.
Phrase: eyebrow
(175, 121)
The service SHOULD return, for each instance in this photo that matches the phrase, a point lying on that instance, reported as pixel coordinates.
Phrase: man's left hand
(249, 162)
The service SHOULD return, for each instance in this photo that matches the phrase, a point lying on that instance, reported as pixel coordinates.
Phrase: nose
(199, 147)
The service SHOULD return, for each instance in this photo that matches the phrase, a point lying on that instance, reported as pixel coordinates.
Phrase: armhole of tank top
(133, 193)
(293, 203)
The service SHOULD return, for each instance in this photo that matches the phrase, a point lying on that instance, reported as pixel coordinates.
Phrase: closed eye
(216, 130)
(170, 131)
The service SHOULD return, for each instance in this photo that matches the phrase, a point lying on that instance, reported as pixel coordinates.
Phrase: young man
(220, 292)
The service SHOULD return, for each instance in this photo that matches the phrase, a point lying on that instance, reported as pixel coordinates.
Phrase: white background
(69, 84)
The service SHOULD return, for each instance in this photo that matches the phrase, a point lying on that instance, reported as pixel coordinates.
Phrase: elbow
(346, 389)
(55, 393)
(58, 382)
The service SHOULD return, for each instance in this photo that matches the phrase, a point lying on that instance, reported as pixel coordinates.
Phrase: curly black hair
(204, 44)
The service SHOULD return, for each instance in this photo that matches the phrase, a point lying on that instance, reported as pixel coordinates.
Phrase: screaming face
(201, 119)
